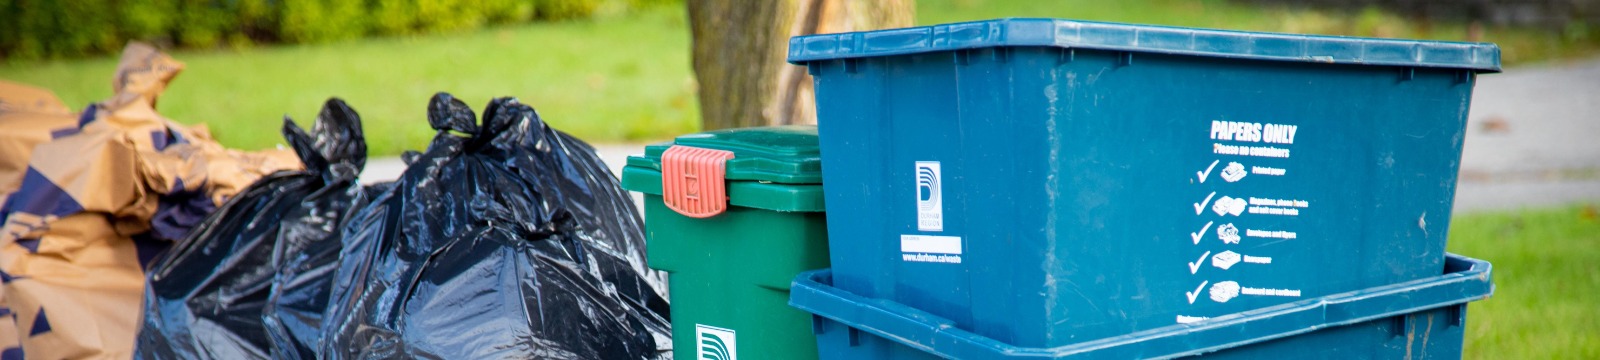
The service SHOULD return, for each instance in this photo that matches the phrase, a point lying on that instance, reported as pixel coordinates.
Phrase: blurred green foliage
(321, 20)
(76, 27)
(33, 29)
(564, 9)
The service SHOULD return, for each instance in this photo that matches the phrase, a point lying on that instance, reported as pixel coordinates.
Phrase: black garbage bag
(243, 284)
(309, 242)
(505, 240)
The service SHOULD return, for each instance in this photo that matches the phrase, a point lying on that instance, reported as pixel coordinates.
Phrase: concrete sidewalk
(1533, 140)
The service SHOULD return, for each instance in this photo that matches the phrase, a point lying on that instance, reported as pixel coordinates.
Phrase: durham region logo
(715, 343)
(930, 206)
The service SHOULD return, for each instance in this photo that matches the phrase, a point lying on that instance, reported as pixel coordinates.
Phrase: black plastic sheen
(251, 281)
(505, 239)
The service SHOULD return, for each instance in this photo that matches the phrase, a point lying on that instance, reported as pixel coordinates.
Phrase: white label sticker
(715, 343)
(929, 248)
(930, 202)
(929, 244)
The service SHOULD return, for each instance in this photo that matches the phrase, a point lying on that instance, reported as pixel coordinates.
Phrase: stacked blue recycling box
(1042, 188)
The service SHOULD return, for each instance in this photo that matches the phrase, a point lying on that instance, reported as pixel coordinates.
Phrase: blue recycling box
(1419, 319)
(1044, 182)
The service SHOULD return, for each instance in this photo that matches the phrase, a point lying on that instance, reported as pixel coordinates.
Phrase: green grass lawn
(621, 77)
(1547, 283)
(610, 79)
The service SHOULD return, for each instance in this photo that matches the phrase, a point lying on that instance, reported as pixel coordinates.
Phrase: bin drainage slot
(1458, 315)
(1124, 58)
(855, 337)
(817, 324)
(1402, 324)
(1066, 56)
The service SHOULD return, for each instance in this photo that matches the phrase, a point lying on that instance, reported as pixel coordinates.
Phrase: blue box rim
(1073, 34)
(1465, 280)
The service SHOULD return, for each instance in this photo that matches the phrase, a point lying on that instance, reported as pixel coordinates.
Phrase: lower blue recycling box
(1416, 319)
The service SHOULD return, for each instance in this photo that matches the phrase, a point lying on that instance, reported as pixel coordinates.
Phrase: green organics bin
(733, 216)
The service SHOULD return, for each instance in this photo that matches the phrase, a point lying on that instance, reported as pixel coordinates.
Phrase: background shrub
(309, 21)
(35, 28)
(564, 9)
(32, 29)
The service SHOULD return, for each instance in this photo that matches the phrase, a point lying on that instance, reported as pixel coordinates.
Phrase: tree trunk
(740, 47)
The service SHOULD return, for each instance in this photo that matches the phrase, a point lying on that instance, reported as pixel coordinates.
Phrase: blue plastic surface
(1048, 195)
(1415, 319)
(1058, 33)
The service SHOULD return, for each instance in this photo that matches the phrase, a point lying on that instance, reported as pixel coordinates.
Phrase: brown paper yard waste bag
(28, 116)
(99, 200)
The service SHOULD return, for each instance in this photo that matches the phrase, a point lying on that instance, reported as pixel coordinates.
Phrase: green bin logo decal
(715, 343)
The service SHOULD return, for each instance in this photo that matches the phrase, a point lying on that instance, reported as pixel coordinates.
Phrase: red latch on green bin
(692, 180)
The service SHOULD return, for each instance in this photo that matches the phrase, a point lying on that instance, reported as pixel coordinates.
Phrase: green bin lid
(777, 154)
(774, 168)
